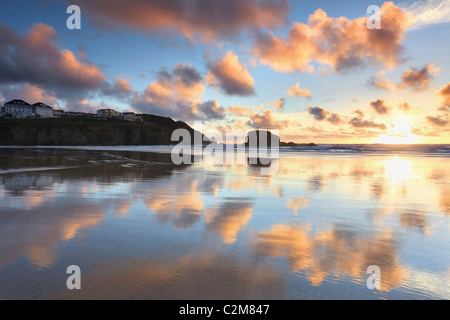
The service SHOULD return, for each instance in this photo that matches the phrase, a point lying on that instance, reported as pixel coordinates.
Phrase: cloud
(317, 112)
(32, 67)
(321, 114)
(177, 93)
(361, 123)
(445, 93)
(340, 43)
(437, 121)
(278, 104)
(295, 91)
(379, 106)
(378, 82)
(418, 79)
(335, 119)
(237, 110)
(194, 19)
(119, 88)
(180, 85)
(413, 78)
(266, 121)
(211, 109)
(34, 58)
(231, 76)
(404, 106)
(27, 92)
(428, 12)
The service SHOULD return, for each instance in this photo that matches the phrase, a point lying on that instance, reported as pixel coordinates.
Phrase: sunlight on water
(141, 228)
(398, 169)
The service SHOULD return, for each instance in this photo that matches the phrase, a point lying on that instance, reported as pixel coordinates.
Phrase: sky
(313, 70)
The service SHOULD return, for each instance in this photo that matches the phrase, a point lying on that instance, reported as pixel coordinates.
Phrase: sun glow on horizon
(400, 133)
(396, 139)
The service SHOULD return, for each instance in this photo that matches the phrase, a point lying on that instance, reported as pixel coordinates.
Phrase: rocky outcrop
(254, 138)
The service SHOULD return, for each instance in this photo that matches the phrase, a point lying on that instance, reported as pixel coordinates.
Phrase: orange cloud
(266, 121)
(278, 104)
(30, 93)
(123, 84)
(437, 121)
(35, 59)
(231, 76)
(418, 79)
(195, 19)
(238, 110)
(378, 82)
(380, 106)
(295, 91)
(360, 123)
(179, 95)
(337, 42)
(335, 119)
(445, 93)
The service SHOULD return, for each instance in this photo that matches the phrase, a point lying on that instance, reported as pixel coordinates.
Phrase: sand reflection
(228, 219)
(36, 234)
(152, 223)
(341, 252)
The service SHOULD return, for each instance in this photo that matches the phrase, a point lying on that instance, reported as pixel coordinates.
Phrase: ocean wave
(443, 149)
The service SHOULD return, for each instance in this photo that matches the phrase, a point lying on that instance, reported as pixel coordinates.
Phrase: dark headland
(85, 131)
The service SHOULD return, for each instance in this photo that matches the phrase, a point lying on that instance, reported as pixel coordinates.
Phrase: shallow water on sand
(140, 227)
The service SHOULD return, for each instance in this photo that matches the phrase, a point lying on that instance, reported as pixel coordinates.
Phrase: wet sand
(140, 227)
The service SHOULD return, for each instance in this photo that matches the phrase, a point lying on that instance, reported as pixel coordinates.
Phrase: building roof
(42, 105)
(18, 101)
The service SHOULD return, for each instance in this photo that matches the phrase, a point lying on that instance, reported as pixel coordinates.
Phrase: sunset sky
(311, 69)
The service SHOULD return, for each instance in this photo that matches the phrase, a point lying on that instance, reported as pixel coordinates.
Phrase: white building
(58, 113)
(17, 109)
(41, 110)
(20, 109)
(107, 113)
(130, 116)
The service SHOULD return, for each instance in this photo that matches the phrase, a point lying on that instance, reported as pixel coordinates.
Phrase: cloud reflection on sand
(328, 220)
(340, 251)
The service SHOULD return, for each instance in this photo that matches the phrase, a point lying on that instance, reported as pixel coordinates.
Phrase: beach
(140, 227)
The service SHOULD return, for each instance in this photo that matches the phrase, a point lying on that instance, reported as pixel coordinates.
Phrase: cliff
(154, 130)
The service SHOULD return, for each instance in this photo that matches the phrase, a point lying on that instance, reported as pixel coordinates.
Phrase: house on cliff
(41, 110)
(17, 109)
(21, 109)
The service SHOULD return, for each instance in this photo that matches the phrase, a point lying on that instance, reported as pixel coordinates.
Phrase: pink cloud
(337, 42)
(195, 19)
(295, 91)
(266, 121)
(231, 76)
(34, 58)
